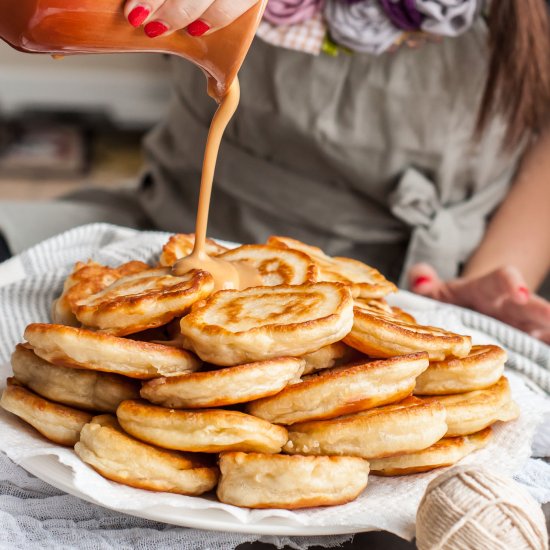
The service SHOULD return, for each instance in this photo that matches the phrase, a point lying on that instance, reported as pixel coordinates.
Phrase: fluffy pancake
(278, 481)
(181, 245)
(83, 349)
(144, 300)
(364, 280)
(276, 266)
(481, 368)
(226, 386)
(380, 335)
(470, 412)
(204, 431)
(342, 390)
(55, 422)
(445, 452)
(242, 326)
(83, 389)
(329, 356)
(404, 427)
(166, 335)
(382, 307)
(119, 457)
(87, 279)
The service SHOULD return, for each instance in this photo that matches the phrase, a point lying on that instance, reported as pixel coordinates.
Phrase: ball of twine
(468, 507)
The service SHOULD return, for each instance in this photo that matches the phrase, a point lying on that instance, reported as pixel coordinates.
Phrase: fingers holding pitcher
(163, 17)
(220, 14)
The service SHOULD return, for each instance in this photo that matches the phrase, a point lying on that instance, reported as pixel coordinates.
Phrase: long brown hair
(518, 82)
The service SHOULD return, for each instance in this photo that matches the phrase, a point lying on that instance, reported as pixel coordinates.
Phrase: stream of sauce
(227, 275)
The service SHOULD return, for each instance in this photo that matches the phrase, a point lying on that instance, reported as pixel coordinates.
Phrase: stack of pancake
(284, 395)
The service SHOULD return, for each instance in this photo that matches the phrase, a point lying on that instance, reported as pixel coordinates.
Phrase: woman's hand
(502, 294)
(162, 17)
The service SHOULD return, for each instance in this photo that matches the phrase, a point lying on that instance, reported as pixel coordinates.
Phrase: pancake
(329, 356)
(166, 335)
(481, 368)
(277, 481)
(382, 307)
(275, 266)
(256, 324)
(470, 412)
(364, 280)
(204, 431)
(144, 300)
(181, 245)
(87, 279)
(83, 389)
(121, 458)
(55, 422)
(226, 386)
(445, 452)
(343, 390)
(405, 427)
(83, 349)
(380, 335)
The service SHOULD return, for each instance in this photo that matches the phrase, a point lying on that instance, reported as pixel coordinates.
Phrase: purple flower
(290, 12)
(362, 26)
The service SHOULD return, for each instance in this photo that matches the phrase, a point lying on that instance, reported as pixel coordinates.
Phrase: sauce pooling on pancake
(227, 275)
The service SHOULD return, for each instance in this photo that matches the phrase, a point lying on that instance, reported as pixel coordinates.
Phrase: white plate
(387, 504)
(50, 470)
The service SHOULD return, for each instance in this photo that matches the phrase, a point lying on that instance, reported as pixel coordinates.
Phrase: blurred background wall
(76, 121)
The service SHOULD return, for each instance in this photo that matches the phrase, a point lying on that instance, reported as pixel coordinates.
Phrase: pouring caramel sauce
(65, 27)
(227, 275)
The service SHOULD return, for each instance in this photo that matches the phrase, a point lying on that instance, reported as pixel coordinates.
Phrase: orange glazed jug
(65, 27)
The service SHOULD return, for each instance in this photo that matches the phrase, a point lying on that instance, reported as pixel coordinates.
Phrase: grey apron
(371, 157)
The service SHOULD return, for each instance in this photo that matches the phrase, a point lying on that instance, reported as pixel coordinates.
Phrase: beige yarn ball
(470, 508)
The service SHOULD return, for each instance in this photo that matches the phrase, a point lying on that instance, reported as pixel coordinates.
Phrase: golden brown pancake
(166, 335)
(144, 300)
(381, 306)
(55, 422)
(470, 412)
(83, 389)
(181, 245)
(119, 457)
(83, 349)
(257, 480)
(275, 266)
(343, 390)
(226, 386)
(200, 431)
(481, 368)
(445, 452)
(380, 335)
(405, 427)
(364, 280)
(333, 355)
(256, 324)
(87, 279)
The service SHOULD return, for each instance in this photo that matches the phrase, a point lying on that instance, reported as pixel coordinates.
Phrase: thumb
(423, 279)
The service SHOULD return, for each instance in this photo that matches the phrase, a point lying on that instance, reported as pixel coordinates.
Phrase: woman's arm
(519, 233)
(513, 257)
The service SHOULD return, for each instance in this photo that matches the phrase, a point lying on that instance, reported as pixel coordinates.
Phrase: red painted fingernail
(138, 15)
(197, 28)
(155, 28)
(524, 290)
(422, 280)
